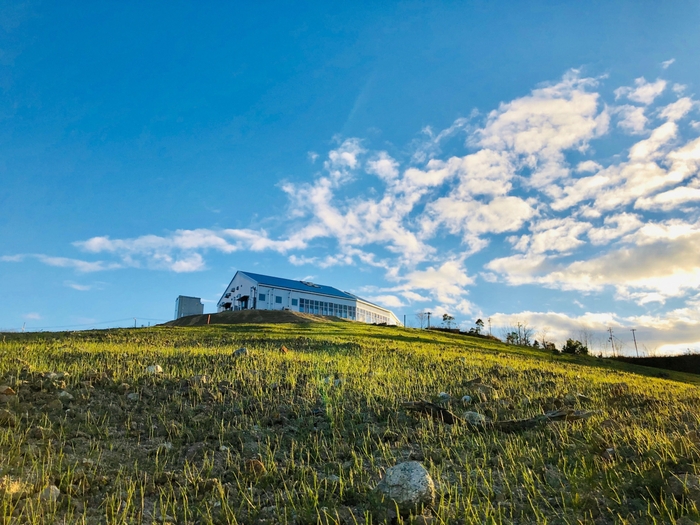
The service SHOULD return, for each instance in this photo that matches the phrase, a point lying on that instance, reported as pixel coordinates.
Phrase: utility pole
(633, 330)
(612, 344)
(404, 320)
(520, 338)
(489, 320)
(134, 322)
(429, 318)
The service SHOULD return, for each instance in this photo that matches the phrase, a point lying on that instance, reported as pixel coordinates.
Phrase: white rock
(466, 399)
(409, 485)
(154, 369)
(65, 396)
(133, 396)
(444, 396)
(50, 493)
(474, 418)
(223, 448)
(241, 352)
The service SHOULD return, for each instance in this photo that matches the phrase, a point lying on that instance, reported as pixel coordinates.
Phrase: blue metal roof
(298, 285)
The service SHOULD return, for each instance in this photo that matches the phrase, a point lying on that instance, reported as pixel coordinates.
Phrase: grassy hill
(304, 436)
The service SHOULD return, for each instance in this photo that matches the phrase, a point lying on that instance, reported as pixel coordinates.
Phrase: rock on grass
(409, 485)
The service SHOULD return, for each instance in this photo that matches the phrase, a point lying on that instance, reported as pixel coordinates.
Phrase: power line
(93, 324)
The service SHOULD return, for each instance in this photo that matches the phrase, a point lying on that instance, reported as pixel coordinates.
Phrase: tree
(543, 336)
(519, 334)
(575, 347)
(479, 326)
(447, 320)
(421, 316)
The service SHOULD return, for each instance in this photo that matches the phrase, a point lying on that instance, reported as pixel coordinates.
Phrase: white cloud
(588, 166)
(445, 283)
(77, 264)
(388, 301)
(32, 316)
(669, 200)
(12, 258)
(643, 92)
(79, 287)
(668, 267)
(384, 167)
(615, 227)
(632, 119)
(554, 235)
(678, 109)
(344, 159)
(537, 128)
(666, 63)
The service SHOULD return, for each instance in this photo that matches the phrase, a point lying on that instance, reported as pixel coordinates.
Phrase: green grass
(304, 437)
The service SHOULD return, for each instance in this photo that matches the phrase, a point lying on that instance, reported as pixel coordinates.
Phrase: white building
(252, 291)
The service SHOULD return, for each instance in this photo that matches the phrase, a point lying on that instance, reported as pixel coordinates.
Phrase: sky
(532, 163)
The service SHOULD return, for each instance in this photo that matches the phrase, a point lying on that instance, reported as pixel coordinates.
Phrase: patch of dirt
(252, 317)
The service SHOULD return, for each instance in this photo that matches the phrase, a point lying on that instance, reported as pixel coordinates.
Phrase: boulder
(409, 485)
(50, 493)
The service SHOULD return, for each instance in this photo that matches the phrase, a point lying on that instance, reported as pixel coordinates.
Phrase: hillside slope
(212, 435)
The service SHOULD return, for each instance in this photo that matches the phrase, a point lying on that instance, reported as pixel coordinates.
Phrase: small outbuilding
(185, 306)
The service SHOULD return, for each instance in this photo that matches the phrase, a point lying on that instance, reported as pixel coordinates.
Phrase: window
(295, 302)
(262, 297)
(278, 299)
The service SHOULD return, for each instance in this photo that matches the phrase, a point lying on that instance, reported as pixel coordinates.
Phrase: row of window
(324, 308)
(371, 317)
(278, 298)
(309, 306)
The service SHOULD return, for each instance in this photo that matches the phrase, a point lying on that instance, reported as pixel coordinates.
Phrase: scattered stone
(154, 369)
(684, 485)
(223, 448)
(199, 380)
(525, 401)
(570, 399)
(284, 349)
(133, 396)
(6, 390)
(241, 352)
(65, 396)
(50, 493)
(165, 446)
(409, 485)
(337, 382)
(7, 418)
(123, 388)
(474, 418)
(609, 454)
(466, 399)
(444, 396)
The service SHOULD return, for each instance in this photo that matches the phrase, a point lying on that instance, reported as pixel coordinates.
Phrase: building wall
(185, 306)
(239, 287)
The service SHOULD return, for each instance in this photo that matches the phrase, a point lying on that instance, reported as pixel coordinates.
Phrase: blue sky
(529, 162)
